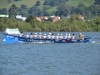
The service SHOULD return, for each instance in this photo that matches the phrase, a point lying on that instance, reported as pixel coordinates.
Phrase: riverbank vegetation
(73, 24)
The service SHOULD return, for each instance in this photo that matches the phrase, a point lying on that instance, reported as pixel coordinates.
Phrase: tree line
(73, 24)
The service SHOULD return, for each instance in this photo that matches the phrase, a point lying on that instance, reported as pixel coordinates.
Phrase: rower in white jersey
(44, 36)
(40, 36)
(73, 37)
(35, 36)
(69, 37)
(52, 36)
(27, 36)
(57, 37)
(49, 36)
(61, 36)
(66, 36)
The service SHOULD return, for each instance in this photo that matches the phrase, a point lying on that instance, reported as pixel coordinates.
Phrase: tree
(9, 1)
(54, 2)
(34, 11)
(38, 3)
(81, 8)
(17, 0)
(3, 11)
(23, 7)
(31, 19)
(62, 10)
(13, 11)
(97, 2)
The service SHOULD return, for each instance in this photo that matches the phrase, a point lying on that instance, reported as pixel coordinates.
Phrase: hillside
(51, 7)
(30, 3)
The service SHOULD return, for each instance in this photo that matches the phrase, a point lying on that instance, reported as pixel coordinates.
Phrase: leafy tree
(32, 20)
(9, 1)
(17, 0)
(54, 2)
(23, 7)
(23, 10)
(38, 3)
(13, 11)
(34, 11)
(4, 11)
(62, 10)
(95, 10)
(97, 2)
(81, 8)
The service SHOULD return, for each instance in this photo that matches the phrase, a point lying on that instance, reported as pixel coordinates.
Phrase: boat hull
(18, 39)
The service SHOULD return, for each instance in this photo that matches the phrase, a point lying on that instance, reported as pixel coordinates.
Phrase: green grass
(52, 9)
(30, 3)
(76, 2)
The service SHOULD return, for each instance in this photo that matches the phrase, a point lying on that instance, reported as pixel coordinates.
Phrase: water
(51, 59)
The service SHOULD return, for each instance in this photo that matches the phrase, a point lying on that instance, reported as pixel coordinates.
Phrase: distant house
(20, 17)
(42, 18)
(38, 18)
(45, 17)
(56, 18)
(81, 17)
(4, 15)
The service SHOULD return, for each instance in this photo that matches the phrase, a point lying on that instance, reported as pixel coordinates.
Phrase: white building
(20, 17)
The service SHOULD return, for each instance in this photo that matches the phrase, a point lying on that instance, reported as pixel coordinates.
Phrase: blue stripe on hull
(17, 39)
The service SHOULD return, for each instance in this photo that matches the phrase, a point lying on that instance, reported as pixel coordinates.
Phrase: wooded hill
(31, 3)
(52, 7)
(62, 8)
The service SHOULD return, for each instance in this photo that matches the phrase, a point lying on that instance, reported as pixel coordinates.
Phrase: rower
(27, 36)
(69, 37)
(81, 36)
(61, 36)
(49, 36)
(21, 34)
(52, 36)
(31, 37)
(40, 36)
(57, 37)
(35, 36)
(65, 37)
(73, 37)
(44, 36)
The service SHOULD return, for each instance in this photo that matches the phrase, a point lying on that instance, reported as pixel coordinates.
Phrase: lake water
(51, 59)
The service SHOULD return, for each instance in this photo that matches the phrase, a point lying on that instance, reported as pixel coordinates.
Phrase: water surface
(51, 59)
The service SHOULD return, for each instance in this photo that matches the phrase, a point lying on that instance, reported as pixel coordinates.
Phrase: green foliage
(87, 8)
(54, 2)
(97, 2)
(38, 3)
(73, 24)
(3, 11)
(13, 11)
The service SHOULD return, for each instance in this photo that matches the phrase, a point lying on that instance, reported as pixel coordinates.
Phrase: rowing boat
(15, 38)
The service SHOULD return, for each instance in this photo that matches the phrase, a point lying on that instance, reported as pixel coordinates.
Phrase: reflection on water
(49, 59)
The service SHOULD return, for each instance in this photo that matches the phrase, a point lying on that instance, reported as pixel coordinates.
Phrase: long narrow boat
(15, 38)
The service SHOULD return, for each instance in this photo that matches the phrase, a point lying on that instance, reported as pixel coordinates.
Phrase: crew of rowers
(51, 36)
